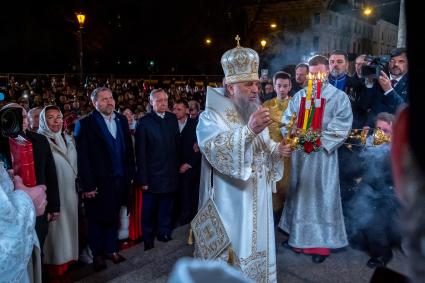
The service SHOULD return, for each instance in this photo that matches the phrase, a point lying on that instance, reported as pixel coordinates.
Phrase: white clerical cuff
(388, 91)
(251, 131)
(249, 134)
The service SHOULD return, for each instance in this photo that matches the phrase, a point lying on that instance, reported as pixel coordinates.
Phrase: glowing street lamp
(208, 41)
(273, 25)
(81, 18)
(367, 11)
(263, 43)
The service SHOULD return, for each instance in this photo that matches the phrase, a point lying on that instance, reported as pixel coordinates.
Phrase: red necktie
(393, 83)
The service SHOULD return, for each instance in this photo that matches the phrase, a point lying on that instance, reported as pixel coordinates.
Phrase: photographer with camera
(391, 90)
(14, 123)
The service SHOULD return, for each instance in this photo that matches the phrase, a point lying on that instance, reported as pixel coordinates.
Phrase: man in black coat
(189, 163)
(45, 173)
(339, 78)
(352, 86)
(106, 170)
(156, 157)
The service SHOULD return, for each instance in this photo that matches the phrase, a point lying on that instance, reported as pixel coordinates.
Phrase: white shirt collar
(162, 115)
(182, 124)
(112, 117)
(394, 78)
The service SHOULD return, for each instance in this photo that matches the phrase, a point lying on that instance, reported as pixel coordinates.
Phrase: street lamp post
(81, 19)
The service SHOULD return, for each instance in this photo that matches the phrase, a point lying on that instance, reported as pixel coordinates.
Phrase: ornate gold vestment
(277, 107)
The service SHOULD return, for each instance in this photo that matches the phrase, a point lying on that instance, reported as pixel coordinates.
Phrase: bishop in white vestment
(244, 168)
(243, 165)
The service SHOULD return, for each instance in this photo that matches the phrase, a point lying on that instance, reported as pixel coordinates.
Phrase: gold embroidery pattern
(277, 108)
(210, 235)
(207, 150)
(232, 116)
(219, 114)
(223, 145)
(254, 213)
(249, 135)
(240, 153)
(231, 69)
(255, 267)
(241, 78)
(242, 60)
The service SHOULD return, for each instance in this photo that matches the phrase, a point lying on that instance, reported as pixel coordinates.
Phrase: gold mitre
(240, 64)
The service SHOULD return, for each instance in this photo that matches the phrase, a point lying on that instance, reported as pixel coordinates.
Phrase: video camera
(375, 66)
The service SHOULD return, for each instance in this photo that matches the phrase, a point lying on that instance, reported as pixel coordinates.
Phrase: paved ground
(155, 265)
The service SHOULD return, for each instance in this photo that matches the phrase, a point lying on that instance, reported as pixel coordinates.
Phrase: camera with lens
(375, 65)
(11, 122)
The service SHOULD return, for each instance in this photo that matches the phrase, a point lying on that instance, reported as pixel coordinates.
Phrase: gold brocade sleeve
(228, 148)
(276, 107)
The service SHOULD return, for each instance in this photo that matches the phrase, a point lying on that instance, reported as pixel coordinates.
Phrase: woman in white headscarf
(61, 246)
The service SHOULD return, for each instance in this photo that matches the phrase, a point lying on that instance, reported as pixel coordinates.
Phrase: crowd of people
(87, 162)
(333, 176)
(160, 151)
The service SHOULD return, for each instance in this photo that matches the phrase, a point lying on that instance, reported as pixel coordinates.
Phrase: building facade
(308, 27)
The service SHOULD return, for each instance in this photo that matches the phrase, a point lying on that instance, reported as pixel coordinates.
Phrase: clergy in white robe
(244, 168)
(61, 246)
(18, 238)
(312, 214)
(243, 163)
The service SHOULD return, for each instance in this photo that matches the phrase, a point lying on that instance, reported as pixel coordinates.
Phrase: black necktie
(393, 83)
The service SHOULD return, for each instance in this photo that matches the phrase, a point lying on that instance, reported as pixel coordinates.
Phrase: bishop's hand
(259, 120)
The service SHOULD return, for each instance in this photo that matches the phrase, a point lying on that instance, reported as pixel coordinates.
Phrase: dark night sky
(42, 36)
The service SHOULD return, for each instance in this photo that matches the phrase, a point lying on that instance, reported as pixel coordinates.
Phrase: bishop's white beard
(245, 107)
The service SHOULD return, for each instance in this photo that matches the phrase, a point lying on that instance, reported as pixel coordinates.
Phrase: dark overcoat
(95, 168)
(156, 152)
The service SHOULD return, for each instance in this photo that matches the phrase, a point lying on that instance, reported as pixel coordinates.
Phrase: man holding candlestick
(312, 215)
(360, 104)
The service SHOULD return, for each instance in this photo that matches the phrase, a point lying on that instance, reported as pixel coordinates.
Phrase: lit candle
(318, 91)
(319, 83)
(308, 101)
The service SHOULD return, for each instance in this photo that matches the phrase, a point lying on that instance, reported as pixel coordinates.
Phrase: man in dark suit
(352, 86)
(106, 169)
(339, 78)
(45, 173)
(156, 156)
(189, 163)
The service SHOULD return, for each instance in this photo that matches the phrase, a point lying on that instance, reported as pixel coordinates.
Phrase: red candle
(319, 82)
